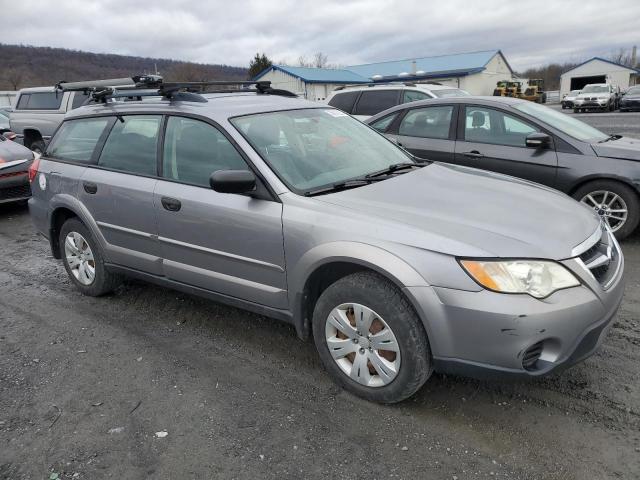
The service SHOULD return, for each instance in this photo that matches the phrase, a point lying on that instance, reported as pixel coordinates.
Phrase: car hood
(625, 148)
(468, 212)
(631, 97)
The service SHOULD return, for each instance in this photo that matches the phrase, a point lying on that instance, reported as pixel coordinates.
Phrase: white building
(7, 98)
(598, 70)
(475, 72)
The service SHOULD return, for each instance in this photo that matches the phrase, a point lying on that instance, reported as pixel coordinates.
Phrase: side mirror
(538, 140)
(232, 181)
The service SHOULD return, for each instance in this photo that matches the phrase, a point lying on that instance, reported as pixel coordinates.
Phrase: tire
(564, 107)
(37, 146)
(626, 193)
(372, 293)
(103, 280)
(576, 110)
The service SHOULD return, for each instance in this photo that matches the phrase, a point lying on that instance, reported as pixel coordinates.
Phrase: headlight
(538, 278)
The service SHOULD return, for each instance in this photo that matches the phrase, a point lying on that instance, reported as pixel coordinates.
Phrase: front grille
(603, 258)
(19, 191)
(531, 356)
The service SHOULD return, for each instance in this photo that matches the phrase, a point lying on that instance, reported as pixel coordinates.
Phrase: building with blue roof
(598, 70)
(476, 72)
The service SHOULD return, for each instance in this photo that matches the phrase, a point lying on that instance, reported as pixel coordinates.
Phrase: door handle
(171, 204)
(90, 187)
(473, 154)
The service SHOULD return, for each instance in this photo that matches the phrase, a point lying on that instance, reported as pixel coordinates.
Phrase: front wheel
(616, 203)
(83, 260)
(370, 339)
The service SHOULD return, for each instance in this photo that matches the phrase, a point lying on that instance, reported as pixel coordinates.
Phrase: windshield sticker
(336, 113)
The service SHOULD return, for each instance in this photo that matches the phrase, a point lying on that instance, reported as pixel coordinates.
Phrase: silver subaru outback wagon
(297, 211)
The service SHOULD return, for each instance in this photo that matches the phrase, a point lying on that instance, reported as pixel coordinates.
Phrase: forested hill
(24, 66)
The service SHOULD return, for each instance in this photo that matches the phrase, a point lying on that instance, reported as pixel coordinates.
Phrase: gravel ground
(89, 386)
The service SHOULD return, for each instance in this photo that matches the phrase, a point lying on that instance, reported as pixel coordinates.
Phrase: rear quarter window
(372, 102)
(344, 101)
(39, 101)
(76, 140)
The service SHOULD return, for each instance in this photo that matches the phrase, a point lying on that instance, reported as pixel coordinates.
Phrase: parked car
(569, 98)
(364, 101)
(4, 120)
(596, 96)
(529, 141)
(631, 99)
(15, 161)
(298, 211)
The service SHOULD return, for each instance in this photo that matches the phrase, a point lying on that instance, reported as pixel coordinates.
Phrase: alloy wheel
(610, 206)
(80, 258)
(362, 344)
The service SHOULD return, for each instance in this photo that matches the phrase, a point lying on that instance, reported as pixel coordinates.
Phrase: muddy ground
(86, 384)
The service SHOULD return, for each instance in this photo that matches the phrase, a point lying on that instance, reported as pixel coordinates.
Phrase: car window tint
(486, 125)
(77, 139)
(193, 150)
(78, 99)
(372, 102)
(344, 101)
(430, 122)
(382, 124)
(414, 96)
(132, 145)
(40, 101)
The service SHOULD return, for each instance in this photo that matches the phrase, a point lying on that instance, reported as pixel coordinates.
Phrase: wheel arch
(31, 135)
(64, 207)
(324, 265)
(592, 178)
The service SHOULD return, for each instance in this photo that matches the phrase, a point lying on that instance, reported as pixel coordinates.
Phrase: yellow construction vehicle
(535, 91)
(507, 88)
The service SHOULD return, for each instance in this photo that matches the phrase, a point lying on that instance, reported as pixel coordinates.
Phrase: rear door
(226, 243)
(427, 132)
(491, 139)
(118, 192)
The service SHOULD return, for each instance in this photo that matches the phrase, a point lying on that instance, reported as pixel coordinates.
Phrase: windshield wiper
(611, 138)
(336, 187)
(396, 167)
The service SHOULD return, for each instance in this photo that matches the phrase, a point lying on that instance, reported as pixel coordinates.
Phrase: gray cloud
(530, 34)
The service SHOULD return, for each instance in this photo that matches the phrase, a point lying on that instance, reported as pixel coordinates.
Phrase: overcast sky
(529, 33)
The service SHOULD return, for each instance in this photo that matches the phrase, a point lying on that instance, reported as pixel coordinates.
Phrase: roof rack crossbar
(153, 85)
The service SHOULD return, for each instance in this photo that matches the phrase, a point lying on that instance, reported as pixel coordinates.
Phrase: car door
(118, 192)
(226, 243)
(492, 139)
(427, 132)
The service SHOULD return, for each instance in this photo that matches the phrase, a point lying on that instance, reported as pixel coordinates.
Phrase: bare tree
(302, 61)
(320, 60)
(15, 77)
(622, 56)
(187, 72)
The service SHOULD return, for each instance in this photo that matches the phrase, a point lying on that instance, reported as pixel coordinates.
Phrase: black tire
(38, 146)
(104, 281)
(627, 194)
(576, 110)
(383, 297)
(564, 106)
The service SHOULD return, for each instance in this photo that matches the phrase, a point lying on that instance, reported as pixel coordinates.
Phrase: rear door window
(40, 101)
(132, 145)
(375, 101)
(77, 139)
(344, 101)
(430, 122)
(414, 96)
(193, 150)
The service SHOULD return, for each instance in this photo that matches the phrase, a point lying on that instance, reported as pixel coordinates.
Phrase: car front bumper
(14, 186)
(486, 333)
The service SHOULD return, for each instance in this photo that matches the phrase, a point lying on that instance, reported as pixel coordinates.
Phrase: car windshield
(573, 93)
(633, 91)
(313, 148)
(566, 124)
(450, 92)
(596, 89)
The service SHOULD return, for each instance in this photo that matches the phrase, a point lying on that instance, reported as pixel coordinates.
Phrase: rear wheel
(616, 203)
(370, 339)
(83, 260)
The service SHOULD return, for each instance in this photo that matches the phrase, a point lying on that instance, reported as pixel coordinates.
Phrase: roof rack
(154, 85)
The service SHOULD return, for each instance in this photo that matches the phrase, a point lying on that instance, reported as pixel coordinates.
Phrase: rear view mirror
(538, 140)
(232, 181)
